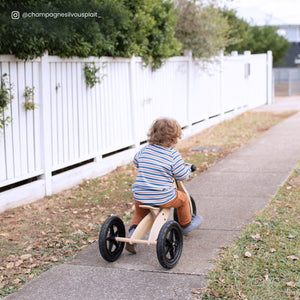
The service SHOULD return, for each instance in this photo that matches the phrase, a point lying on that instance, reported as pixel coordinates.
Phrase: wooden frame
(152, 222)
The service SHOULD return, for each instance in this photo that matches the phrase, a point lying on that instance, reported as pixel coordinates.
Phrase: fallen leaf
(19, 262)
(91, 240)
(25, 256)
(10, 265)
(54, 259)
(242, 295)
(16, 281)
(293, 257)
(195, 292)
(215, 293)
(291, 284)
(79, 232)
(266, 277)
(247, 254)
(256, 236)
(5, 234)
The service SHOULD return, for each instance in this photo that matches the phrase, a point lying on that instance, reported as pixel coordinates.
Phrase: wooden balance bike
(166, 235)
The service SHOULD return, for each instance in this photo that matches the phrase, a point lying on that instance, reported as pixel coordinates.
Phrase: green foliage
(5, 99)
(90, 72)
(121, 28)
(29, 98)
(266, 38)
(201, 28)
(153, 34)
(239, 31)
(256, 39)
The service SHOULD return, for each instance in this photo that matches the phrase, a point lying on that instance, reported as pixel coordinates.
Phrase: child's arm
(135, 161)
(181, 170)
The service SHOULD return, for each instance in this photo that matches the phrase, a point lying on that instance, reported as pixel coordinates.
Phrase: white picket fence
(74, 123)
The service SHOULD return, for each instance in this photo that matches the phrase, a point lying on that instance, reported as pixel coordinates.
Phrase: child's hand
(193, 168)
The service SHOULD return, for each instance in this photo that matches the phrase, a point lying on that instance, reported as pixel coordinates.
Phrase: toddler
(158, 164)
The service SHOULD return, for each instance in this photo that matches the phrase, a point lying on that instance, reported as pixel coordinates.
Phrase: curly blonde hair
(164, 132)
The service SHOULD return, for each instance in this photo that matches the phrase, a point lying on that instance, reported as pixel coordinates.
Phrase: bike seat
(149, 206)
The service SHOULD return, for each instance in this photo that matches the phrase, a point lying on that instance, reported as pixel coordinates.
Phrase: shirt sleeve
(181, 170)
(135, 159)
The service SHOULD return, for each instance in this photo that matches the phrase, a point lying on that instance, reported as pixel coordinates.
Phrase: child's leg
(138, 215)
(181, 202)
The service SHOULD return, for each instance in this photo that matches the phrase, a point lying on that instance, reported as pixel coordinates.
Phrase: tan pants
(181, 202)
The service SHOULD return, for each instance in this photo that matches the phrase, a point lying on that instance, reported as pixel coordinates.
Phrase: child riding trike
(158, 188)
(166, 235)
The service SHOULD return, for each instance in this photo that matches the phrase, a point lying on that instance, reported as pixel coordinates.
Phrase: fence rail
(73, 123)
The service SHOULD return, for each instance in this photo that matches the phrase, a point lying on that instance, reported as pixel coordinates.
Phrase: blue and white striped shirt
(157, 166)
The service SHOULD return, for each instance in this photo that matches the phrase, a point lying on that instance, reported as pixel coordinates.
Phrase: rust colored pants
(181, 202)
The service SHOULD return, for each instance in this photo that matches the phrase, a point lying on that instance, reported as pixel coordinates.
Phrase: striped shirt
(157, 168)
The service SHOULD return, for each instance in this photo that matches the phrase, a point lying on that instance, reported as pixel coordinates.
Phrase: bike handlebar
(193, 168)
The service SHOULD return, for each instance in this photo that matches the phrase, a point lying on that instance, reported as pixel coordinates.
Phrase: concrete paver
(227, 196)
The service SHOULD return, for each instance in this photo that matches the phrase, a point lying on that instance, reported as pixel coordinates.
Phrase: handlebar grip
(193, 168)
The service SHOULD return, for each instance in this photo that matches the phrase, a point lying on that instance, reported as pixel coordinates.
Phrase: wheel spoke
(111, 232)
(171, 245)
(171, 236)
(111, 244)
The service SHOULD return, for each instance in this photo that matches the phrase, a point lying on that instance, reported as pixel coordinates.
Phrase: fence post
(188, 54)
(133, 102)
(46, 153)
(269, 77)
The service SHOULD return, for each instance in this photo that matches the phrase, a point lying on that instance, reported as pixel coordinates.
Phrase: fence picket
(15, 107)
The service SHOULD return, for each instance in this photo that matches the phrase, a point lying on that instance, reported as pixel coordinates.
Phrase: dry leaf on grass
(293, 257)
(247, 254)
(256, 236)
(291, 284)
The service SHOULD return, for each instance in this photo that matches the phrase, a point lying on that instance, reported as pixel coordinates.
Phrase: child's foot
(195, 223)
(132, 248)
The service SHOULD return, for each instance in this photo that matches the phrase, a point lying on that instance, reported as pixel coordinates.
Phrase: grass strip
(264, 262)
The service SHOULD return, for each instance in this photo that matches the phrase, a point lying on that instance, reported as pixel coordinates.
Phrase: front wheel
(169, 244)
(110, 249)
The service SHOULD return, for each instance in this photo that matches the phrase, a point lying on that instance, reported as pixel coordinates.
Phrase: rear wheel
(109, 248)
(169, 244)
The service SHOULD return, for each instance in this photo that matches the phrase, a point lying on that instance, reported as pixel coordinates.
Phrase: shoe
(132, 248)
(195, 223)
(131, 231)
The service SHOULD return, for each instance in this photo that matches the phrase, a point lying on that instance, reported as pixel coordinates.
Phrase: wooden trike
(166, 235)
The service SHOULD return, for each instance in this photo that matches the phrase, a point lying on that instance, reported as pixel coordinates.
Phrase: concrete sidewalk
(227, 196)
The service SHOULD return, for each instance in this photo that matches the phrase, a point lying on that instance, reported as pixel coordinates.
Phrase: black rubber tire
(109, 248)
(194, 210)
(169, 244)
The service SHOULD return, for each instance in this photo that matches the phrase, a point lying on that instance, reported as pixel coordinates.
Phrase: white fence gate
(103, 126)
